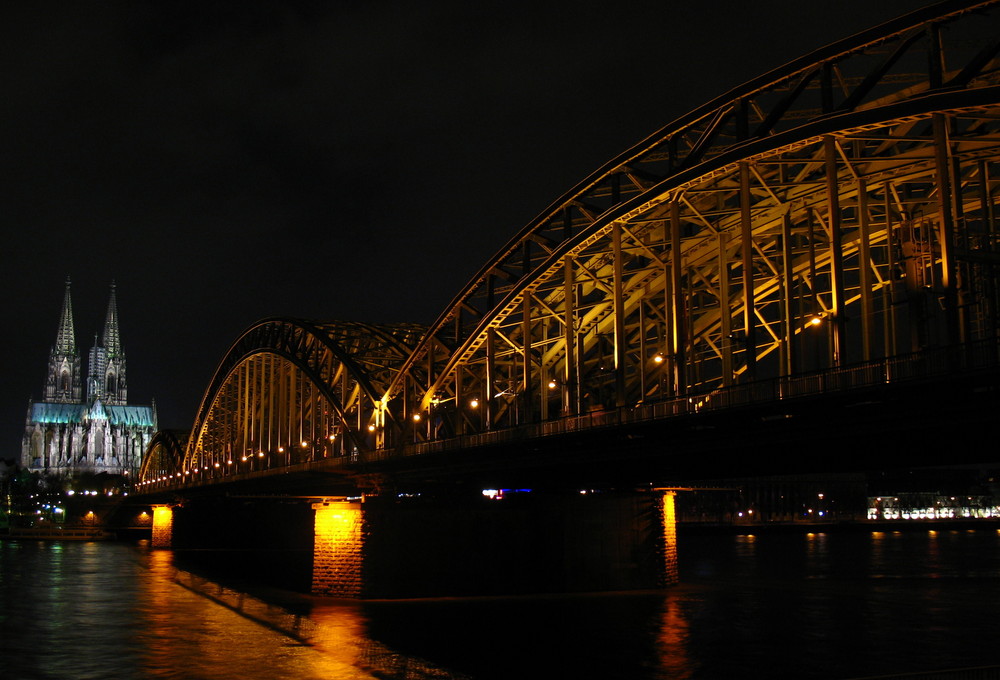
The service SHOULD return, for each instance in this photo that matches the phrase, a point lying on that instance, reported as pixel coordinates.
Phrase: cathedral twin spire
(106, 378)
(110, 339)
(65, 376)
(66, 340)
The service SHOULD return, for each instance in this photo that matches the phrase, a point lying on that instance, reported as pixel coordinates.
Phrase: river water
(844, 604)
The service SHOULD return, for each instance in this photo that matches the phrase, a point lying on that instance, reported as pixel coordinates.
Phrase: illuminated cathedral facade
(85, 423)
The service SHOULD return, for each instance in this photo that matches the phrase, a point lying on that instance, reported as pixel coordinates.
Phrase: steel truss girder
(838, 209)
(776, 210)
(796, 108)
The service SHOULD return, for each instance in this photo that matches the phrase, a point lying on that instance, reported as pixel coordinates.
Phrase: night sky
(224, 162)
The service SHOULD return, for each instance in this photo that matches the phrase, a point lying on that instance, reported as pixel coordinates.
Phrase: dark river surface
(841, 604)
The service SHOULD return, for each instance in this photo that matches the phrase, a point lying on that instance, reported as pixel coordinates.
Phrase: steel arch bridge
(838, 212)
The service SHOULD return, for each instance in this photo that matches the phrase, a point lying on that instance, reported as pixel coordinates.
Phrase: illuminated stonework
(163, 526)
(86, 430)
(669, 539)
(338, 549)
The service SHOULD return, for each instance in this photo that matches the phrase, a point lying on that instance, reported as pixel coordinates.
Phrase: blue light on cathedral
(94, 430)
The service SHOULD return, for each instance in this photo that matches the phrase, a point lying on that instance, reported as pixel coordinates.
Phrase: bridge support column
(163, 526)
(670, 573)
(338, 549)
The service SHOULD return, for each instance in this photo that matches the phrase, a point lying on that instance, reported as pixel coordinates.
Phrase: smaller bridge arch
(291, 390)
(163, 455)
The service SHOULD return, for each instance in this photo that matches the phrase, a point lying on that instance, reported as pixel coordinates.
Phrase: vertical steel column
(245, 406)
(643, 351)
(569, 338)
(838, 336)
(459, 402)
(426, 390)
(525, 412)
(946, 227)
(988, 211)
(678, 344)
(260, 426)
(746, 238)
(274, 387)
(291, 408)
(544, 391)
(619, 312)
(890, 303)
(579, 361)
(361, 428)
(865, 270)
(281, 413)
(272, 418)
(961, 244)
(251, 397)
(668, 317)
(407, 409)
(263, 432)
(310, 400)
(299, 404)
(725, 311)
(345, 401)
(491, 362)
(787, 275)
(526, 391)
(491, 358)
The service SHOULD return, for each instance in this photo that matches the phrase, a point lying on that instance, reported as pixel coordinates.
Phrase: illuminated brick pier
(163, 526)
(338, 549)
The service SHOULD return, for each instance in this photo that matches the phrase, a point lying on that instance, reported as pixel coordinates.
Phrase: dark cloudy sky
(229, 161)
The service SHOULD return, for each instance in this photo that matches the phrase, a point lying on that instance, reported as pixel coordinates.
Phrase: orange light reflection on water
(209, 632)
(674, 638)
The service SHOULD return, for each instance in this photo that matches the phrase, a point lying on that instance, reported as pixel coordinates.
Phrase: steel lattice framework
(838, 210)
(288, 391)
(164, 455)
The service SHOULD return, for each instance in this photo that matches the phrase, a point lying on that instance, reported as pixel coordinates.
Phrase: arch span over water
(837, 214)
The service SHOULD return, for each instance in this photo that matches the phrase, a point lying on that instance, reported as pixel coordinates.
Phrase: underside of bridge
(831, 225)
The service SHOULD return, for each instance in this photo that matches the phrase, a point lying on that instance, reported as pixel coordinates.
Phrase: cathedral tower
(106, 379)
(67, 434)
(65, 376)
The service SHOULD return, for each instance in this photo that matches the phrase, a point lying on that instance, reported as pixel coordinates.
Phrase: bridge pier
(669, 519)
(338, 549)
(163, 526)
(514, 543)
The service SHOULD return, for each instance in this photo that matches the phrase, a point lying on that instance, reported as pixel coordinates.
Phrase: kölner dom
(69, 433)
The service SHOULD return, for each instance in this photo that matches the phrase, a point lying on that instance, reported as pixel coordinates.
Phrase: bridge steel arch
(290, 391)
(839, 209)
(164, 455)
